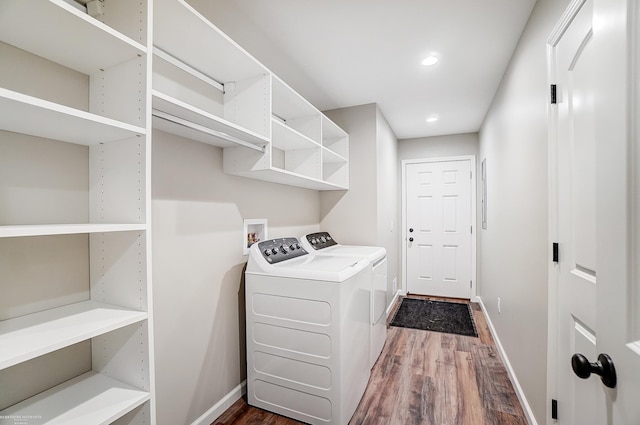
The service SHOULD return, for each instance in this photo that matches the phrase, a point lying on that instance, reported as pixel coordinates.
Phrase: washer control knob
(274, 251)
(267, 252)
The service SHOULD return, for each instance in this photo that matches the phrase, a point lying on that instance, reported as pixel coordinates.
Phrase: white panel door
(595, 309)
(438, 220)
(577, 221)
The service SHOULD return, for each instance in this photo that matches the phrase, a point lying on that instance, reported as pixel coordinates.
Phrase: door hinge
(472, 230)
(554, 409)
(471, 284)
(556, 252)
(554, 94)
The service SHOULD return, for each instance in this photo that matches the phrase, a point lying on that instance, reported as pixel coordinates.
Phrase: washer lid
(322, 243)
(371, 253)
(314, 267)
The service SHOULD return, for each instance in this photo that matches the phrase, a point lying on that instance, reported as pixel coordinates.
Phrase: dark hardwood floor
(425, 378)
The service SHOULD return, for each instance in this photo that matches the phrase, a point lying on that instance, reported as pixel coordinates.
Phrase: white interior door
(438, 228)
(595, 308)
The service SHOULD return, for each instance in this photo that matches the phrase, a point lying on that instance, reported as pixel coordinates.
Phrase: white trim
(399, 293)
(221, 406)
(553, 235)
(564, 22)
(474, 217)
(553, 219)
(512, 375)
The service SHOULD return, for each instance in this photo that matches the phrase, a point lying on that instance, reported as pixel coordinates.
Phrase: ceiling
(340, 53)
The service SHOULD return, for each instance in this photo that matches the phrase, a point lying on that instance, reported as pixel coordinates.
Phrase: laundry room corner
(198, 268)
(368, 214)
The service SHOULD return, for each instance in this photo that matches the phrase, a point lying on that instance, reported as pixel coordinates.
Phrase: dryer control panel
(277, 250)
(321, 240)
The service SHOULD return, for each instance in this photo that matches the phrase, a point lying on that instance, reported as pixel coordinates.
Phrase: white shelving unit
(306, 150)
(207, 88)
(77, 211)
(335, 153)
(79, 97)
(90, 398)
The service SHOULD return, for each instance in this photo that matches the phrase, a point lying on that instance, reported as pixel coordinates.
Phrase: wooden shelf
(295, 111)
(90, 398)
(278, 175)
(288, 138)
(334, 138)
(329, 156)
(288, 104)
(21, 113)
(33, 335)
(189, 114)
(65, 229)
(59, 32)
(185, 34)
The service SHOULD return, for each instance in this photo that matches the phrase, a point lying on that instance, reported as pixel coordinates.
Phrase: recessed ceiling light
(430, 60)
(431, 119)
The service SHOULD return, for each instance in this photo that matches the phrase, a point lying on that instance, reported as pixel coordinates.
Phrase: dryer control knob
(292, 247)
(283, 249)
(297, 246)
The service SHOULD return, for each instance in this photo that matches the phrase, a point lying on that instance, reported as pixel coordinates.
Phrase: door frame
(473, 294)
(554, 207)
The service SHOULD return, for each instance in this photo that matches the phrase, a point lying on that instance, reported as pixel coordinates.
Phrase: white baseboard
(399, 293)
(220, 407)
(512, 376)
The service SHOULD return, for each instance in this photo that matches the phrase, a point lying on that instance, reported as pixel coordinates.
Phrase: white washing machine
(322, 243)
(307, 332)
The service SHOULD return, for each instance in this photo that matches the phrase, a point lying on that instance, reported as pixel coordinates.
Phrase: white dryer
(322, 243)
(307, 332)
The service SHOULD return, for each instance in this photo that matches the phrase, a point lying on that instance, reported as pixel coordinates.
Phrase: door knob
(603, 367)
(410, 239)
(411, 229)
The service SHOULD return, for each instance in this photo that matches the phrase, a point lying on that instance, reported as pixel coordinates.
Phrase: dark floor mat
(437, 316)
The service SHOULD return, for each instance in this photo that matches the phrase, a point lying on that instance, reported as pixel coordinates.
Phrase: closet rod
(187, 68)
(205, 130)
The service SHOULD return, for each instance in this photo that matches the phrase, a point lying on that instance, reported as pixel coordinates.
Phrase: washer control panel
(277, 250)
(321, 240)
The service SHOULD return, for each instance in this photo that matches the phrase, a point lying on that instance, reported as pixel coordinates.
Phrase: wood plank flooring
(424, 378)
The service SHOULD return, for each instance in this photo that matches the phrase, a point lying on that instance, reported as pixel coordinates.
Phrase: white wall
(197, 222)
(351, 216)
(388, 200)
(514, 251)
(438, 146)
(366, 214)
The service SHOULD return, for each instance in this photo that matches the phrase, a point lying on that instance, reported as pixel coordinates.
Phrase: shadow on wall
(329, 200)
(228, 328)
